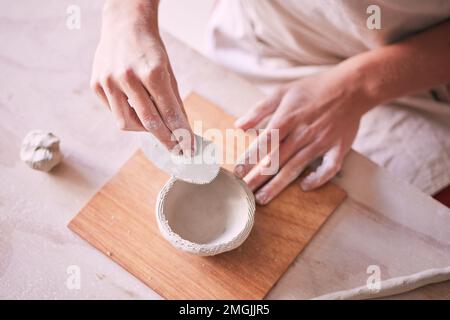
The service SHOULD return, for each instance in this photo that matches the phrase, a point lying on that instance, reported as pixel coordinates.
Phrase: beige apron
(271, 42)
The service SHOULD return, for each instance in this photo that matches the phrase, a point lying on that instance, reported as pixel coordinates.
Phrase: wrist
(355, 84)
(123, 12)
(365, 79)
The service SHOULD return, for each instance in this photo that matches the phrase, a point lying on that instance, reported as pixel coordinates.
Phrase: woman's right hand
(132, 73)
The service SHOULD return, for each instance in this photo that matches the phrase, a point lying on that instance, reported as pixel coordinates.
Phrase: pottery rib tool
(200, 169)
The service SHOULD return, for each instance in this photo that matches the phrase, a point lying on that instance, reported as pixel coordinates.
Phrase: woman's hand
(319, 115)
(132, 74)
(316, 116)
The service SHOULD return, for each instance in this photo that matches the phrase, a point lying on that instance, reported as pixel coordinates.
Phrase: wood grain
(120, 221)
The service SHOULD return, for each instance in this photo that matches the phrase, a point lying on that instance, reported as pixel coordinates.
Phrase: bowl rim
(197, 248)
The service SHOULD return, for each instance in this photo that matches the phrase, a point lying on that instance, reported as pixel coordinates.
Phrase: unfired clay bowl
(206, 219)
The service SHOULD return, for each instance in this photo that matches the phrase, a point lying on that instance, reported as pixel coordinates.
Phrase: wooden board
(120, 221)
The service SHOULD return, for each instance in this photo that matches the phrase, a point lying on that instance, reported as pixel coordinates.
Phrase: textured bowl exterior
(204, 249)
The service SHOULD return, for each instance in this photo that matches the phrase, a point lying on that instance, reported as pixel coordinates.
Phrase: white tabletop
(44, 79)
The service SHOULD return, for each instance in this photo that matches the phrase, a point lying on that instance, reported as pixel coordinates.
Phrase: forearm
(418, 63)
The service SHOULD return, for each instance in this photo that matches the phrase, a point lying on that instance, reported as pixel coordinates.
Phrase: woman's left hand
(316, 116)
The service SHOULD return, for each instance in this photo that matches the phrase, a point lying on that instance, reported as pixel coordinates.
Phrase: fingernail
(306, 184)
(240, 121)
(120, 123)
(261, 198)
(186, 148)
(176, 150)
(187, 152)
(239, 171)
(194, 147)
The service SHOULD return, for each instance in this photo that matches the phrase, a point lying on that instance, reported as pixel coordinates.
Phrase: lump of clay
(40, 150)
(206, 219)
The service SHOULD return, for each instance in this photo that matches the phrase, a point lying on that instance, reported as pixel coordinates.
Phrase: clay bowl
(206, 219)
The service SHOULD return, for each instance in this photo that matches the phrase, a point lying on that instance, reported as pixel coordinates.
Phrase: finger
(294, 142)
(285, 125)
(188, 133)
(146, 111)
(263, 145)
(288, 173)
(330, 166)
(159, 84)
(260, 112)
(174, 84)
(98, 90)
(121, 110)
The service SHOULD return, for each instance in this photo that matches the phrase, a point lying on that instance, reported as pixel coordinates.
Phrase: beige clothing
(275, 41)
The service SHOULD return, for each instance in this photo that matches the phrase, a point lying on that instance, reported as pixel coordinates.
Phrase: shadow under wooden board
(120, 221)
